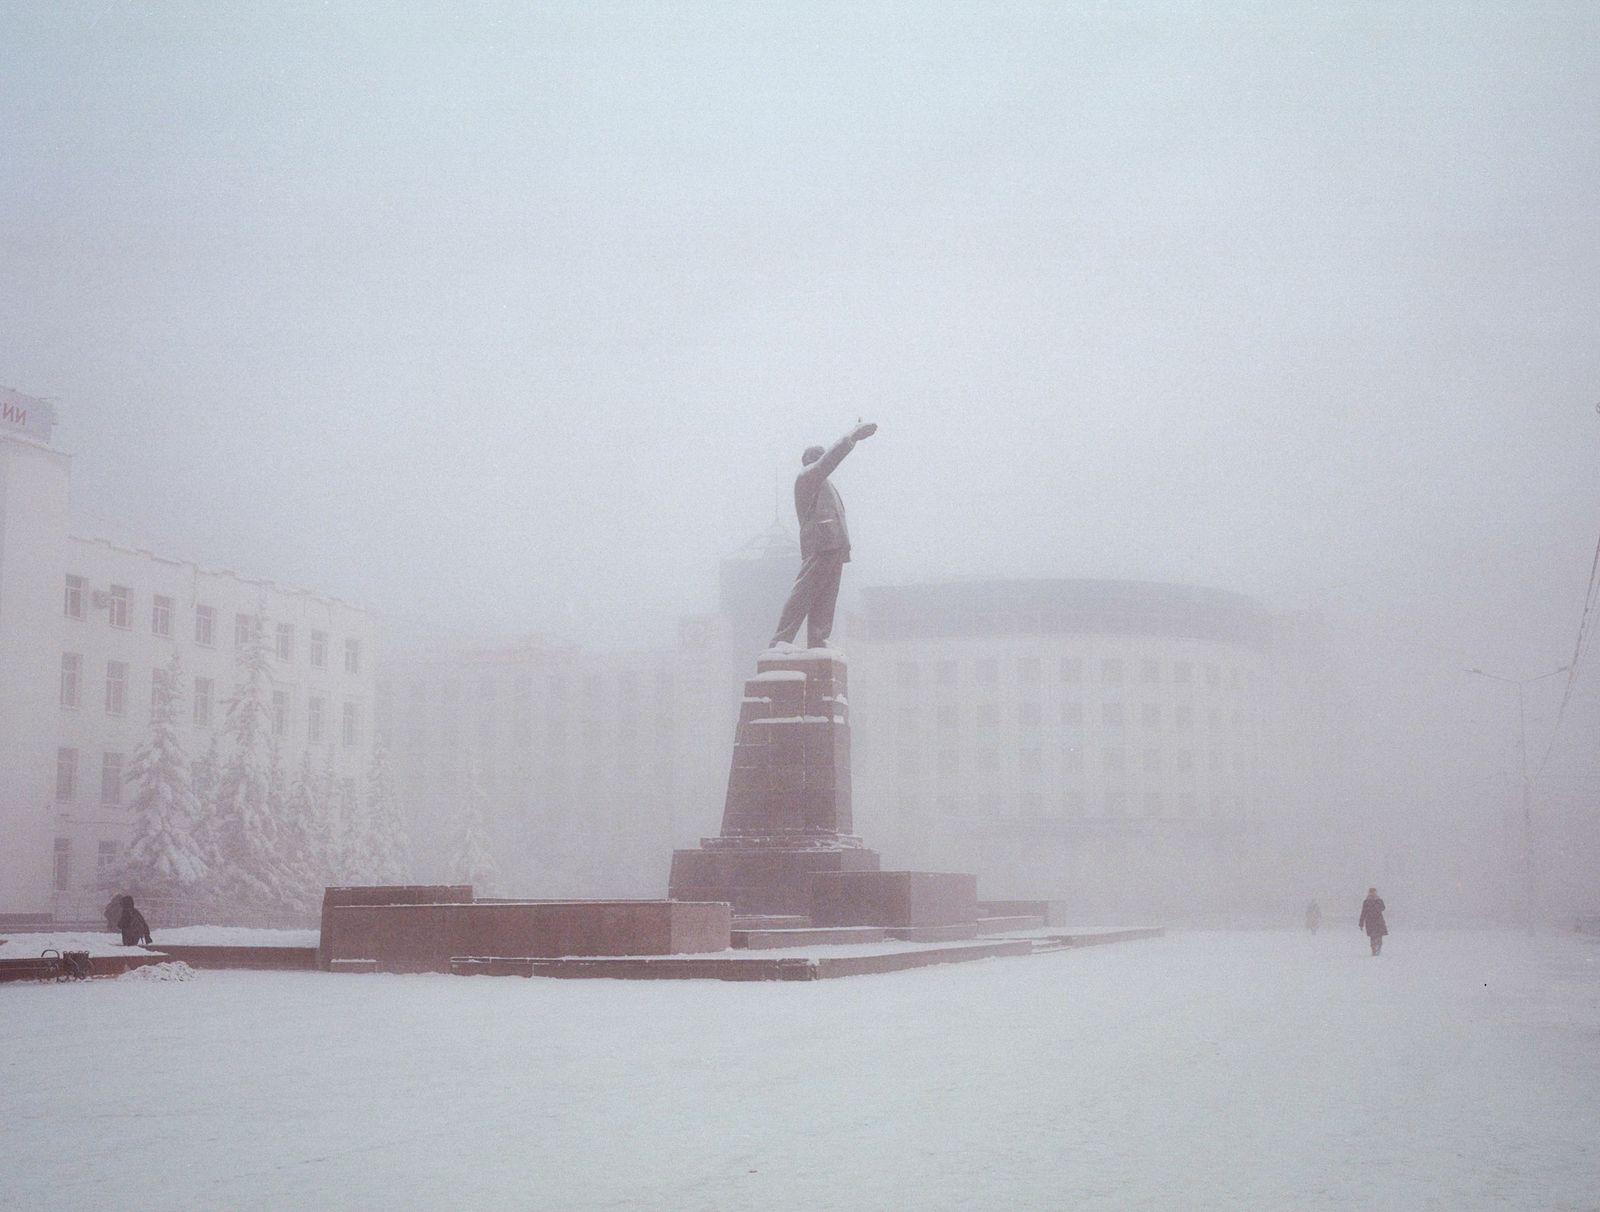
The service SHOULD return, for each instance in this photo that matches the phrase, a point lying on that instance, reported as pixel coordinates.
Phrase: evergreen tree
(164, 856)
(309, 807)
(348, 855)
(388, 846)
(204, 774)
(246, 829)
(472, 860)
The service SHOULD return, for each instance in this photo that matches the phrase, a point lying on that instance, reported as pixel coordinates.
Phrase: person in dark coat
(132, 924)
(1372, 920)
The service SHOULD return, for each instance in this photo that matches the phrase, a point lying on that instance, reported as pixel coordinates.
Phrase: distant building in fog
(1119, 745)
(85, 625)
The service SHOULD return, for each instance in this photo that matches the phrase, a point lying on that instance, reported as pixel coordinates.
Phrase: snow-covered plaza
(1204, 1070)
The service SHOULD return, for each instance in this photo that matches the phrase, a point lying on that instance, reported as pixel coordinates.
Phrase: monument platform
(787, 817)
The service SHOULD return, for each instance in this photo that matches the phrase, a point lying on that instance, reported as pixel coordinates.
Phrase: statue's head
(812, 454)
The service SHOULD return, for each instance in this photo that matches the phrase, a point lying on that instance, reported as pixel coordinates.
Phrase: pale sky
(506, 316)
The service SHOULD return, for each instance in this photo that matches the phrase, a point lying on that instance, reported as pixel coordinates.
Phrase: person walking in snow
(132, 924)
(1313, 916)
(1372, 920)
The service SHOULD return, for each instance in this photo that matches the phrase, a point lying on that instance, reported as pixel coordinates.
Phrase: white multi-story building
(1121, 746)
(84, 627)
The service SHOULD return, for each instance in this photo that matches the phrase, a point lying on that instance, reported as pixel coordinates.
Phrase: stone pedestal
(787, 815)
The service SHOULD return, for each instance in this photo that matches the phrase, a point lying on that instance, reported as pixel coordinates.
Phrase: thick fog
(510, 318)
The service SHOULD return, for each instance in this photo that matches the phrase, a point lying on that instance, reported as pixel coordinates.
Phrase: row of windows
(1072, 803)
(591, 777)
(246, 627)
(105, 856)
(1112, 716)
(1114, 671)
(204, 700)
(627, 686)
(1113, 760)
(489, 733)
(112, 770)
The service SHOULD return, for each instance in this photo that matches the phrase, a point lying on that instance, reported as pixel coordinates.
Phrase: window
(1111, 715)
(63, 863)
(314, 721)
(1028, 715)
(105, 856)
(160, 615)
(1116, 803)
(949, 764)
(988, 715)
(1030, 804)
(319, 649)
(1111, 671)
(1071, 669)
(121, 603)
(1028, 671)
(71, 678)
(352, 655)
(1072, 760)
(1029, 761)
(1213, 675)
(204, 695)
(116, 687)
(351, 724)
(1183, 717)
(205, 626)
(1183, 761)
(1152, 761)
(1114, 759)
(280, 713)
(286, 641)
(244, 630)
(66, 775)
(1150, 715)
(988, 759)
(72, 606)
(909, 722)
(1072, 803)
(1182, 672)
(906, 675)
(944, 673)
(986, 672)
(947, 716)
(111, 779)
(1072, 714)
(1149, 671)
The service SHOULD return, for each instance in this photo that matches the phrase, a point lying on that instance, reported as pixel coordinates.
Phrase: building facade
(1123, 747)
(85, 628)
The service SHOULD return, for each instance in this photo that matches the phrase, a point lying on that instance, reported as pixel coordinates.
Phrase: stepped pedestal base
(760, 879)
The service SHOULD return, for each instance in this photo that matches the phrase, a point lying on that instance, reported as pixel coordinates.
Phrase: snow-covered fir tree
(387, 843)
(164, 856)
(251, 874)
(349, 857)
(308, 808)
(472, 859)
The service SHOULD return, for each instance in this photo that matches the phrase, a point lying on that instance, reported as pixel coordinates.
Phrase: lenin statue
(824, 543)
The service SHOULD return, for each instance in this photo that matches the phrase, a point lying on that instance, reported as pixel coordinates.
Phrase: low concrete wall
(275, 959)
(894, 898)
(425, 938)
(383, 894)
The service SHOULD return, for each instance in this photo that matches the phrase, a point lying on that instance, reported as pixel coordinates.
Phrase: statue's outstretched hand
(864, 431)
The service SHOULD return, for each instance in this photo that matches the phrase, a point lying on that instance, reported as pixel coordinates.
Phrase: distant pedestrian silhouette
(1372, 920)
(1313, 916)
(132, 924)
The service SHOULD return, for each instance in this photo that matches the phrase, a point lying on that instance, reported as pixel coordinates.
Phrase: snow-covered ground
(1271, 1071)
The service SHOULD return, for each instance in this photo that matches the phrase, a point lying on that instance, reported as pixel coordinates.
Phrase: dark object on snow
(132, 924)
(65, 966)
(113, 912)
(1372, 920)
(1313, 916)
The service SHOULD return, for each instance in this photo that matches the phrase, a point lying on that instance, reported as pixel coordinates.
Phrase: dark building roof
(1064, 607)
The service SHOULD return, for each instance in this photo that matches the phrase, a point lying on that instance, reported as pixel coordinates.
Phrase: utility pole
(1529, 891)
